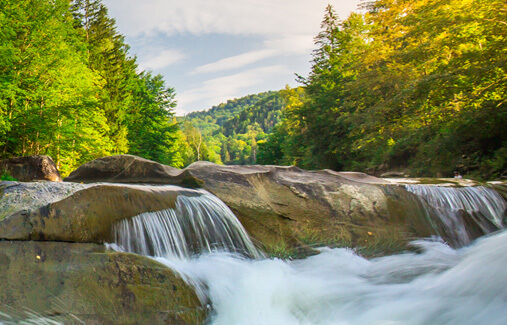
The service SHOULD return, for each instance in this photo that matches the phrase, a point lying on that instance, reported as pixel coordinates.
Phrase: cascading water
(464, 213)
(198, 224)
(438, 285)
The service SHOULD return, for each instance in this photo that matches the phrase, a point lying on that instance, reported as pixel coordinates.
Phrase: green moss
(96, 287)
(7, 177)
(279, 250)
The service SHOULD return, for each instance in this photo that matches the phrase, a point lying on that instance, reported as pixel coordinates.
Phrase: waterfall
(198, 224)
(461, 214)
(202, 240)
(438, 285)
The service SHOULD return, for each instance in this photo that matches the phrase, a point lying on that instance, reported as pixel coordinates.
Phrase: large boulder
(129, 169)
(82, 283)
(31, 168)
(86, 214)
(287, 209)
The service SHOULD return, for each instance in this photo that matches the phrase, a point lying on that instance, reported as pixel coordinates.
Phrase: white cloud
(235, 62)
(293, 45)
(286, 29)
(238, 17)
(221, 89)
(161, 60)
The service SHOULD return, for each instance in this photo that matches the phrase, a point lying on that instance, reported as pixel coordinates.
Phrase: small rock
(31, 168)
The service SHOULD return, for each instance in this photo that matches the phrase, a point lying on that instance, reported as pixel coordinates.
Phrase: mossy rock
(71, 282)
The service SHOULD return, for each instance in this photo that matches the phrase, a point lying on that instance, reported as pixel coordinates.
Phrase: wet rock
(87, 215)
(286, 209)
(31, 168)
(82, 283)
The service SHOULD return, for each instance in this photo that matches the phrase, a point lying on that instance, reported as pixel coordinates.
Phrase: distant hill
(231, 130)
(265, 113)
(216, 116)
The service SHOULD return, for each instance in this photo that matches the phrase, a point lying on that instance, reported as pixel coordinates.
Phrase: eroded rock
(88, 214)
(287, 209)
(82, 283)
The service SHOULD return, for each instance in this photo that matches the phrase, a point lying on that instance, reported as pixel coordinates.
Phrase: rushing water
(461, 214)
(438, 286)
(199, 224)
(435, 285)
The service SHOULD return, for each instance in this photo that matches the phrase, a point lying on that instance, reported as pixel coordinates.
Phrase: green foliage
(7, 177)
(415, 85)
(69, 89)
(230, 133)
(152, 132)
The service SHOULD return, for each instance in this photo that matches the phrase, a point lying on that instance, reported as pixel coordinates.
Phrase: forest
(231, 133)
(69, 88)
(417, 86)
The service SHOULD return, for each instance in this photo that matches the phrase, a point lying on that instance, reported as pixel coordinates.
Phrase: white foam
(438, 286)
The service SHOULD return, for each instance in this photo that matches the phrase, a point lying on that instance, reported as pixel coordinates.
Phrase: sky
(211, 51)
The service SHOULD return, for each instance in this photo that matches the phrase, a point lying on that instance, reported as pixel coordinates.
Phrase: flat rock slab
(88, 215)
(17, 196)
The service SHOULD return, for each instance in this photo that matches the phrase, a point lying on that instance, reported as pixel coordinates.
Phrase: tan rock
(287, 209)
(81, 283)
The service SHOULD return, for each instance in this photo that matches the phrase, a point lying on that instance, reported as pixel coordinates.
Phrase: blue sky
(214, 50)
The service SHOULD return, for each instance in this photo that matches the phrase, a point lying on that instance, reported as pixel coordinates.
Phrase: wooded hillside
(413, 85)
(229, 133)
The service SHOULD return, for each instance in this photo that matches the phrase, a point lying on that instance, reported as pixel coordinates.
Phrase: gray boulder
(31, 168)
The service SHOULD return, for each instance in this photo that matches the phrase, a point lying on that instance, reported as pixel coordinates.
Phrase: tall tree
(46, 82)
(108, 56)
(326, 108)
(152, 133)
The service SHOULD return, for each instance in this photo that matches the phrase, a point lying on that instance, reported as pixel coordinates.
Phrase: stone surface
(16, 196)
(129, 169)
(83, 284)
(287, 209)
(87, 215)
(31, 168)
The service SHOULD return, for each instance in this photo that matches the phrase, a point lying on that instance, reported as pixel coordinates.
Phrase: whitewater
(431, 283)
(437, 285)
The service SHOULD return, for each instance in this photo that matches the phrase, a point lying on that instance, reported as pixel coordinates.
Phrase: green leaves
(417, 85)
(69, 89)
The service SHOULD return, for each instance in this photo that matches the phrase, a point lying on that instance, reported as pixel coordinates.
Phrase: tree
(46, 84)
(108, 57)
(151, 132)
